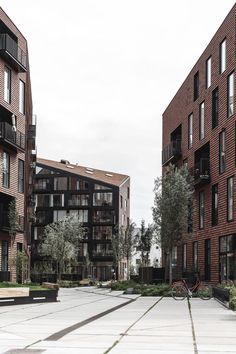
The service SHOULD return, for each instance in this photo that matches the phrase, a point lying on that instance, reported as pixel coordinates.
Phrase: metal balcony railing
(14, 138)
(171, 151)
(102, 253)
(11, 51)
(201, 171)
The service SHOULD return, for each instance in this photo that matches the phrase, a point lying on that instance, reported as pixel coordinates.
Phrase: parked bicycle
(180, 290)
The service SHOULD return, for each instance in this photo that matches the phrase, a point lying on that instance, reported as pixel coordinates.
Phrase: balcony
(201, 172)
(12, 138)
(171, 152)
(4, 222)
(104, 253)
(12, 53)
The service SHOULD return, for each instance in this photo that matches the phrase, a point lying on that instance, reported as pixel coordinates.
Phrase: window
(21, 97)
(128, 192)
(202, 120)
(58, 215)
(5, 247)
(79, 200)
(190, 131)
(174, 256)
(184, 256)
(57, 200)
(196, 86)
(121, 201)
(43, 217)
(230, 95)
(21, 171)
(195, 256)
(102, 199)
(103, 216)
(214, 205)
(215, 107)
(7, 85)
(60, 183)
(43, 200)
(227, 245)
(207, 259)
(208, 72)
(99, 186)
(42, 184)
(82, 214)
(6, 170)
(222, 161)
(201, 210)
(102, 232)
(230, 199)
(76, 184)
(222, 56)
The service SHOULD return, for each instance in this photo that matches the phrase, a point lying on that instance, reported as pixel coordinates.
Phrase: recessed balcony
(171, 152)
(12, 53)
(201, 172)
(11, 137)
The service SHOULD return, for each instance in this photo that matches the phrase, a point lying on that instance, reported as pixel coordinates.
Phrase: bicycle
(180, 289)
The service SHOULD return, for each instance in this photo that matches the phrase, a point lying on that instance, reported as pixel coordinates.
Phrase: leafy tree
(13, 219)
(117, 250)
(128, 243)
(61, 241)
(145, 242)
(173, 193)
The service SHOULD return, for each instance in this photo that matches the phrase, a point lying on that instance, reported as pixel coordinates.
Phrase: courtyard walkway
(96, 321)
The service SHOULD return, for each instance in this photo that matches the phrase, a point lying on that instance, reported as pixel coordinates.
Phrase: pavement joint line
(133, 324)
(107, 294)
(193, 330)
(58, 335)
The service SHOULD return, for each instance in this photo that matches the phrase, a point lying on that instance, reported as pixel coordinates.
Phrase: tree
(145, 242)
(61, 241)
(13, 219)
(128, 243)
(173, 193)
(117, 251)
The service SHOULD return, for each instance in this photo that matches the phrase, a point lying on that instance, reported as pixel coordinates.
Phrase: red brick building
(17, 135)
(199, 129)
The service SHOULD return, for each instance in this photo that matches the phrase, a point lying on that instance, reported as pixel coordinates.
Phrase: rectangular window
(222, 147)
(190, 131)
(230, 95)
(21, 172)
(201, 210)
(6, 170)
(43, 200)
(76, 184)
(21, 97)
(208, 259)
(42, 184)
(222, 56)
(202, 121)
(230, 199)
(214, 205)
(184, 256)
(7, 85)
(121, 201)
(174, 256)
(5, 247)
(78, 200)
(196, 86)
(82, 214)
(57, 200)
(60, 183)
(102, 232)
(58, 215)
(195, 256)
(215, 107)
(128, 192)
(102, 199)
(227, 257)
(103, 216)
(208, 72)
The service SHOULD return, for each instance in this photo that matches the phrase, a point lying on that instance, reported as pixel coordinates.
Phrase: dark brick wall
(177, 113)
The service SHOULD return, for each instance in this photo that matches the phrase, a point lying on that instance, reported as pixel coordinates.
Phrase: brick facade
(176, 114)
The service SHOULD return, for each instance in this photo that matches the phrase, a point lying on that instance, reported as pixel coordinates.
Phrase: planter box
(35, 296)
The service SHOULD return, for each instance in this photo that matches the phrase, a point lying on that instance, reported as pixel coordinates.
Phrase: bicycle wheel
(205, 292)
(178, 292)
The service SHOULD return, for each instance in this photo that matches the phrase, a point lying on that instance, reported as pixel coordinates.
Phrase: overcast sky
(103, 72)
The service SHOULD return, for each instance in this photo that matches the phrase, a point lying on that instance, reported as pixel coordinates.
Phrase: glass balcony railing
(13, 53)
(171, 151)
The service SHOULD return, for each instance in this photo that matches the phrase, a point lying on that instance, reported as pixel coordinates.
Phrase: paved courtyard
(96, 321)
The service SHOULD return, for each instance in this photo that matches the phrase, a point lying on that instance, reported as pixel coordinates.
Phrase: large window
(76, 184)
(22, 97)
(208, 72)
(7, 85)
(214, 205)
(202, 121)
(230, 95)
(190, 131)
(5, 247)
(101, 216)
(60, 183)
(79, 200)
(42, 184)
(103, 249)
(82, 214)
(201, 209)
(102, 199)
(43, 200)
(6, 170)
(222, 148)
(102, 232)
(21, 172)
(215, 107)
(59, 215)
(196, 86)
(222, 56)
(230, 198)
(195, 256)
(102, 187)
(227, 257)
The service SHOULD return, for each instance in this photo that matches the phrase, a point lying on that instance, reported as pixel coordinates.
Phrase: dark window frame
(214, 210)
(227, 186)
(215, 108)
(21, 176)
(228, 97)
(196, 86)
(201, 210)
(222, 151)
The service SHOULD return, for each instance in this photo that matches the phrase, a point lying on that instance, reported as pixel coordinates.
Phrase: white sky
(103, 72)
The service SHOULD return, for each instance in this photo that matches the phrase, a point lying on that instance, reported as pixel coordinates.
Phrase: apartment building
(100, 200)
(199, 129)
(17, 143)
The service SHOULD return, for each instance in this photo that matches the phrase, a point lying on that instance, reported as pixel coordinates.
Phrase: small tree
(173, 193)
(117, 251)
(145, 242)
(128, 244)
(62, 241)
(13, 219)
